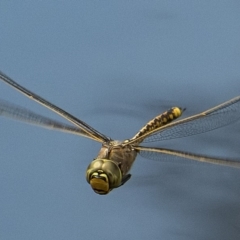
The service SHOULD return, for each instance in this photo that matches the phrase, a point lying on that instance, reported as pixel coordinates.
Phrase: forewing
(214, 118)
(89, 131)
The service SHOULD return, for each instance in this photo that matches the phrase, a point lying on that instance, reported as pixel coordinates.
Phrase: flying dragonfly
(110, 169)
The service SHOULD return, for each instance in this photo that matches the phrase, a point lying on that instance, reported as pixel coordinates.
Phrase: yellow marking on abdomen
(160, 121)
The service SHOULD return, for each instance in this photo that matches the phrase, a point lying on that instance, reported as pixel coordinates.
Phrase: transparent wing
(213, 118)
(19, 113)
(88, 130)
(168, 154)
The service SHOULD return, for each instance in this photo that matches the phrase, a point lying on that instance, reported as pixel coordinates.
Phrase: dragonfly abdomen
(160, 121)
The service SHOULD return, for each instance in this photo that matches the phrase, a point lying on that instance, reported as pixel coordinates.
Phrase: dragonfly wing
(77, 122)
(163, 154)
(214, 118)
(19, 113)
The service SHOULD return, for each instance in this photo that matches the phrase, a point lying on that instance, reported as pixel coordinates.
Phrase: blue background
(116, 65)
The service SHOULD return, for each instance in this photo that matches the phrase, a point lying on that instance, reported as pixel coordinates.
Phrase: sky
(116, 65)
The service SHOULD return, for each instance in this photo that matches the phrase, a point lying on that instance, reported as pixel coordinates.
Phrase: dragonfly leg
(125, 179)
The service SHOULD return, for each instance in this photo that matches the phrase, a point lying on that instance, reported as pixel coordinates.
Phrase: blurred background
(116, 65)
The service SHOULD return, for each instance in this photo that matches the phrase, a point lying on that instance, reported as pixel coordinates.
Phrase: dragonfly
(111, 168)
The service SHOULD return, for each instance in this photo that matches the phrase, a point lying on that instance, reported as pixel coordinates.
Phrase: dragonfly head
(103, 175)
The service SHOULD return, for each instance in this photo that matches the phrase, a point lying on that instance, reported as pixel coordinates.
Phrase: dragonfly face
(103, 175)
(100, 183)
(110, 168)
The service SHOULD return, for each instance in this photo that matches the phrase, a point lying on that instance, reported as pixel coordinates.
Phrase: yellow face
(99, 182)
(103, 175)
